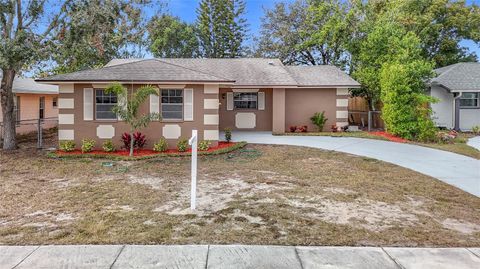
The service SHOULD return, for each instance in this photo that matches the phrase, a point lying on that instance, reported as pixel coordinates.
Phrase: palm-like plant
(127, 107)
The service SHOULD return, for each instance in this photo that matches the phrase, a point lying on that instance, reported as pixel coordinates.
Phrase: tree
(221, 28)
(96, 31)
(128, 106)
(171, 38)
(403, 81)
(282, 30)
(22, 43)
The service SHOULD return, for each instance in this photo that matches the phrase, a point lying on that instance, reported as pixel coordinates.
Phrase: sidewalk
(234, 256)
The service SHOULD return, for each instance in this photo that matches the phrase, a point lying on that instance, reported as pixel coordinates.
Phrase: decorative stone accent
(65, 88)
(245, 120)
(65, 118)
(105, 131)
(172, 131)
(66, 103)
(210, 119)
(66, 135)
(211, 89)
(342, 114)
(341, 124)
(211, 103)
(210, 135)
(342, 102)
(342, 91)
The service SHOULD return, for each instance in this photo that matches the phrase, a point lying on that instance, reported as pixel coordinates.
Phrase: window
(172, 104)
(16, 108)
(41, 110)
(54, 102)
(470, 100)
(104, 103)
(245, 100)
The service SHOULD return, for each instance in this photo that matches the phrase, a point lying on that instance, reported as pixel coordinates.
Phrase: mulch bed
(223, 147)
(389, 136)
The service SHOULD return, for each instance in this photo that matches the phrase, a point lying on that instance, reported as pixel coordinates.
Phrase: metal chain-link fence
(39, 133)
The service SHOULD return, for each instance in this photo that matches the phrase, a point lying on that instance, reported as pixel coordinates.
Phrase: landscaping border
(236, 146)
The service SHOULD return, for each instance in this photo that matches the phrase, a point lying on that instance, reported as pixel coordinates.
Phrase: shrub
(161, 145)
(476, 129)
(228, 134)
(319, 120)
(139, 140)
(204, 145)
(87, 145)
(67, 145)
(126, 139)
(334, 128)
(303, 129)
(293, 128)
(108, 146)
(182, 145)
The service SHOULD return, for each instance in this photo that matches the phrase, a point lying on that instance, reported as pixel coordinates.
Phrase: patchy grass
(260, 194)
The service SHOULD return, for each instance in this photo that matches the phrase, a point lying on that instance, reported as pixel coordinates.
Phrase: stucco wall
(263, 118)
(443, 110)
(89, 129)
(29, 112)
(302, 103)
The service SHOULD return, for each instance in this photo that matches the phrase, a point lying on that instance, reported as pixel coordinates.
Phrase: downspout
(456, 102)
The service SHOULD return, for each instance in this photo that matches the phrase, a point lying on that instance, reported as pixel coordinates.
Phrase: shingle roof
(459, 77)
(28, 85)
(241, 71)
(321, 75)
(145, 70)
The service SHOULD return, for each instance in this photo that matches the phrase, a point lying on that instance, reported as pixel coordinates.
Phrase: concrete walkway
(235, 256)
(474, 142)
(454, 169)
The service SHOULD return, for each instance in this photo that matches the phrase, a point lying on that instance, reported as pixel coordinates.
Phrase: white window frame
(114, 117)
(237, 94)
(474, 98)
(167, 104)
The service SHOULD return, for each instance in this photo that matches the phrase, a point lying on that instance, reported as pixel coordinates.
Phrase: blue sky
(186, 9)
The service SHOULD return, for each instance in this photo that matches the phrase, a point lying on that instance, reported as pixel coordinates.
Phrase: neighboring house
(34, 101)
(457, 87)
(204, 94)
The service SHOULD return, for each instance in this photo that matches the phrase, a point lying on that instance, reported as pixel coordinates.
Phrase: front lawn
(277, 195)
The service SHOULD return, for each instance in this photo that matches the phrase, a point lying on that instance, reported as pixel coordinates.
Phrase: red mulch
(390, 137)
(143, 152)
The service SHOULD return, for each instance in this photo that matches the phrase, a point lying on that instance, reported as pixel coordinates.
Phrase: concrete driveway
(474, 142)
(457, 170)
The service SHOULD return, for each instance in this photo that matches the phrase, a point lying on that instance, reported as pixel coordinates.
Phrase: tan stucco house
(205, 94)
(33, 101)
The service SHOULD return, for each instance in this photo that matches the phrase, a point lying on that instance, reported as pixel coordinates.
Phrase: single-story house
(457, 87)
(33, 101)
(205, 94)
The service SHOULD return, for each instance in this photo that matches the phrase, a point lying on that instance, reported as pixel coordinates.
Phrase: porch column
(278, 111)
(457, 114)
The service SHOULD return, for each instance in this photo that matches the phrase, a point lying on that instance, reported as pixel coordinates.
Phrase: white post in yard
(193, 193)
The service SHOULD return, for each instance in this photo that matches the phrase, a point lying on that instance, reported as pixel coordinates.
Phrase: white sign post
(193, 193)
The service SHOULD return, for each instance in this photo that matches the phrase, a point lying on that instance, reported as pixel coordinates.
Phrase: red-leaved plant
(303, 129)
(138, 140)
(293, 129)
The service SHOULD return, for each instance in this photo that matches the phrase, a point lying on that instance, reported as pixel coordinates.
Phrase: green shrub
(319, 120)
(182, 145)
(204, 145)
(228, 134)
(476, 129)
(108, 146)
(87, 145)
(67, 145)
(161, 145)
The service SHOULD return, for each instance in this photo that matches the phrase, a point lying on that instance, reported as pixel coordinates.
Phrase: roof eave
(59, 81)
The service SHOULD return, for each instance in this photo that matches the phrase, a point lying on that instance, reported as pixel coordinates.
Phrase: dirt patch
(153, 182)
(461, 226)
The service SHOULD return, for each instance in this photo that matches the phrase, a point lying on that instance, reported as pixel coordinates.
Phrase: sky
(186, 10)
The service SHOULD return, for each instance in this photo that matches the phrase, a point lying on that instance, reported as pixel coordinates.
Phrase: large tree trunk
(9, 118)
